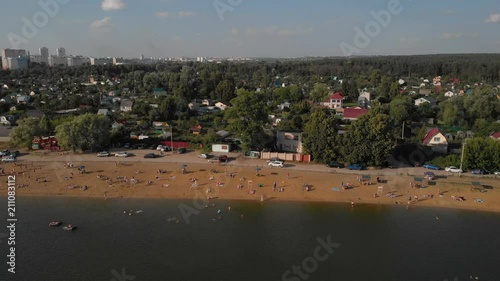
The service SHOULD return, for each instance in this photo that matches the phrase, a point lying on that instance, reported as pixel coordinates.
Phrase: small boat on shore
(69, 227)
(55, 223)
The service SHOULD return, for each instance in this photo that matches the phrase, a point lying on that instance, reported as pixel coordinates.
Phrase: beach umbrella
(184, 166)
(81, 168)
(258, 169)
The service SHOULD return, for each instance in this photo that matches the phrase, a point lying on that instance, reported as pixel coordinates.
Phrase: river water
(251, 241)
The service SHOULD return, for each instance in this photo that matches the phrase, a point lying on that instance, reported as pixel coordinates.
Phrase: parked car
(223, 158)
(103, 154)
(274, 159)
(497, 173)
(151, 155)
(127, 145)
(8, 159)
(334, 164)
(15, 153)
(181, 150)
(355, 167)
(431, 167)
(276, 164)
(152, 147)
(480, 172)
(122, 154)
(453, 169)
(4, 152)
(214, 159)
(203, 156)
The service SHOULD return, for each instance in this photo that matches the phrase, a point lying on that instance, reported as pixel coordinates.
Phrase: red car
(223, 158)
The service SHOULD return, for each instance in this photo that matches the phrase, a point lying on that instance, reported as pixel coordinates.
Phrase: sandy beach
(115, 178)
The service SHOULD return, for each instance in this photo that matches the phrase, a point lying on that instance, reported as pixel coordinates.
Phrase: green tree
(400, 110)
(368, 140)
(482, 153)
(320, 137)
(319, 92)
(88, 131)
(247, 118)
(225, 91)
(27, 129)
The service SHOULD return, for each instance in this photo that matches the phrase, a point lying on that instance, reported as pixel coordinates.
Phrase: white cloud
(183, 14)
(111, 5)
(178, 15)
(277, 31)
(101, 25)
(451, 35)
(493, 18)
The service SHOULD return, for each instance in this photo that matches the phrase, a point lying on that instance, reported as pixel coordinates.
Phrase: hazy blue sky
(280, 28)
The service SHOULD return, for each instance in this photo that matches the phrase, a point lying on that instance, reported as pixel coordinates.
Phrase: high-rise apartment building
(61, 52)
(14, 59)
(44, 52)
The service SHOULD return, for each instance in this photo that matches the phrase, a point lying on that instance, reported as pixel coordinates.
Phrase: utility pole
(462, 157)
(403, 131)
(171, 139)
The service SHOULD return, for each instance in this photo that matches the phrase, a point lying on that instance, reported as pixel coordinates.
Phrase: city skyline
(239, 28)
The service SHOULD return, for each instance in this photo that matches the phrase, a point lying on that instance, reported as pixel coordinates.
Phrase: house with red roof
(495, 136)
(196, 130)
(335, 101)
(354, 113)
(436, 140)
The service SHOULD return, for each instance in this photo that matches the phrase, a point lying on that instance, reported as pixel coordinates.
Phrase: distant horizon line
(266, 57)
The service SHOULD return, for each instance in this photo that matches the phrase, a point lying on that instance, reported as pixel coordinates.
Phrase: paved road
(235, 159)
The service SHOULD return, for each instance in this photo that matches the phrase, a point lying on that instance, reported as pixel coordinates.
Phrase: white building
(44, 52)
(77, 61)
(39, 59)
(61, 52)
(289, 141)
(57, 60)
(14, 59)
(101, 61)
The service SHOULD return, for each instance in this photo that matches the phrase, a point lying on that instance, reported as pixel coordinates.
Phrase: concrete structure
(221, 148)
(56, 60)
(101, 61)
(44, 52)
(39, 59)
(118, 61)
(77, 61)
(61, 52)
(289, 141)
(126, 105)
(364, 100)
(335, 101)
(18, 63)
(13, 58)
